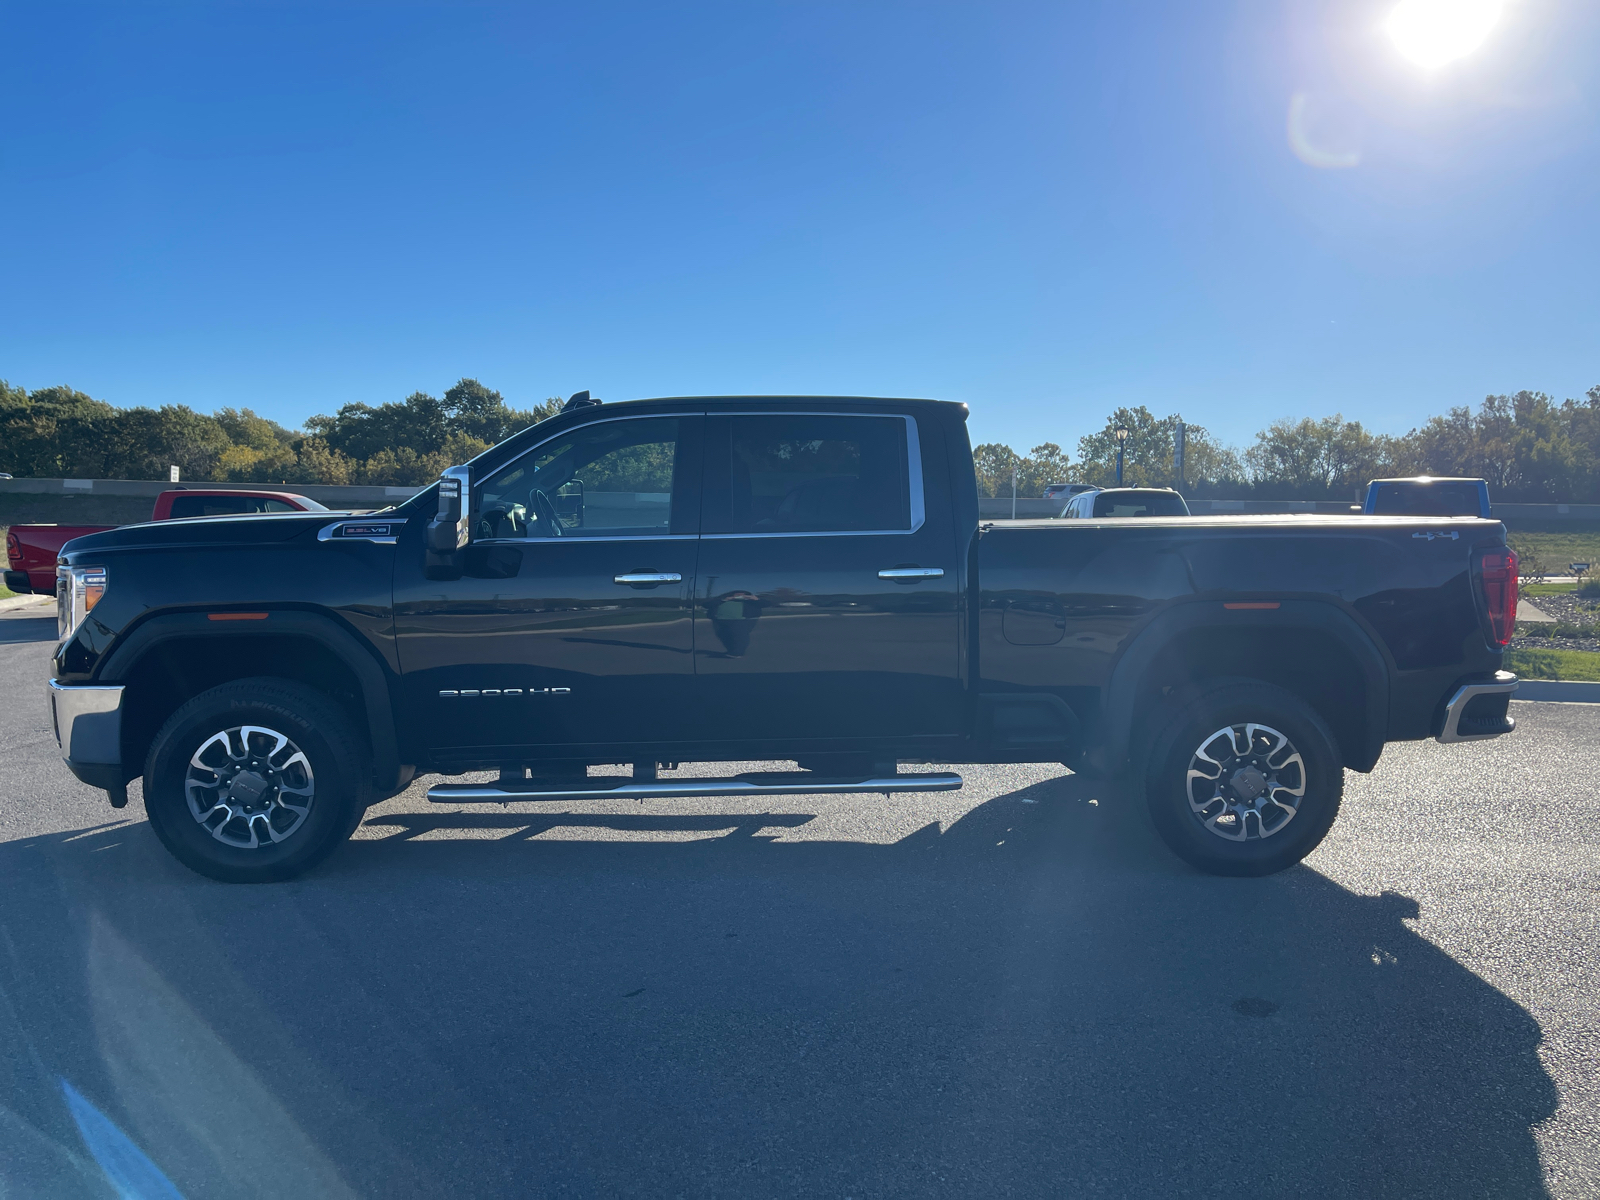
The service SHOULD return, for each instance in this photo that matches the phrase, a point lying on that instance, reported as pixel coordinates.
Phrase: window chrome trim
(918, 494)
(670, 416)
(633, 537)
(913, 475)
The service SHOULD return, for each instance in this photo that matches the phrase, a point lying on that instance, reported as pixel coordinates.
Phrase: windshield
(1139, 503)
(1427, 500)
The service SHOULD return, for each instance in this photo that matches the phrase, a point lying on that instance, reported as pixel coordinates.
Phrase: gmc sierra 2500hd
(736, 579)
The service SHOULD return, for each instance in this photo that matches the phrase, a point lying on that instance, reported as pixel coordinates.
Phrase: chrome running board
(614, 787)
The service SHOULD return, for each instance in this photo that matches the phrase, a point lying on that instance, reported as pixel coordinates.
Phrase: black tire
(252, 804)
(1254, 824)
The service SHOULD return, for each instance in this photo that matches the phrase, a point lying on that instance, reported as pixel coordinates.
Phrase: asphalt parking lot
(1008, 990)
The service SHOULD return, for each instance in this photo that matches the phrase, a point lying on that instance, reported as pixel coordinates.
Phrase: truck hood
(252, 529)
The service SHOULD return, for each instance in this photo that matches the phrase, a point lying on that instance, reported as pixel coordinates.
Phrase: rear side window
(818, 474)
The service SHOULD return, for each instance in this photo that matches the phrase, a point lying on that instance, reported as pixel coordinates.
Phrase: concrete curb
(15, 602)
(1557, 689)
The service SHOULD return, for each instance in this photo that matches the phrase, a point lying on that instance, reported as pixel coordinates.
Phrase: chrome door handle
(635, 578)
(912, 573)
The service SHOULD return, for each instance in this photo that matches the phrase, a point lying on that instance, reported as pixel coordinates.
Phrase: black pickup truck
(737, 579)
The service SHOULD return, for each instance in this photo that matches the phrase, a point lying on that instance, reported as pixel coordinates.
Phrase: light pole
(1121, 435)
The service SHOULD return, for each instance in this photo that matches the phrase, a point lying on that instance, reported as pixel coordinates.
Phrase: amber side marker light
(1250, 604)
(236, 616)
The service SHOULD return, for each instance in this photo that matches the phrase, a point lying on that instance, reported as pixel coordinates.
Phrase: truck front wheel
(1244, 779)
(256, 780)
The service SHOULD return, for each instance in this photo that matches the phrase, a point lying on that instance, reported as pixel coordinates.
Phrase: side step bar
(615, 787)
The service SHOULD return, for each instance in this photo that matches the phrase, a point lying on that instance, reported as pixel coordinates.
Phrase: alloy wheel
(1246, 782)
(249, 786)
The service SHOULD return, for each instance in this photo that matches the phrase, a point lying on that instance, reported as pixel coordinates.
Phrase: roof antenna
(578, 400)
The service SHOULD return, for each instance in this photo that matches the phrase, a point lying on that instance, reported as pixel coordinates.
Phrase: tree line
(58, 432)
(1528, 446)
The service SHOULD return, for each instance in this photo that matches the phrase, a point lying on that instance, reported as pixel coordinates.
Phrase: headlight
(78, 589)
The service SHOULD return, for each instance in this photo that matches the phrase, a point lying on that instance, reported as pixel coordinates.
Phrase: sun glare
(1433, 32)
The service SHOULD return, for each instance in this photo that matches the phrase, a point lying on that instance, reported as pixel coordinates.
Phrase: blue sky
(1041, 210)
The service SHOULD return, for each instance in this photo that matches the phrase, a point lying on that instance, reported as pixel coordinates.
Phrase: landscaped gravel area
(1568, 609)
(1552, 643)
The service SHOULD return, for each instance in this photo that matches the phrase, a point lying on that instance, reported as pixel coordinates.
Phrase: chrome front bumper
(88, 725)
(1458, 727)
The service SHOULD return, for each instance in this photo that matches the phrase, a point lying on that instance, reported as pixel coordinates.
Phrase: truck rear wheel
(1244, 779)
(256, 780)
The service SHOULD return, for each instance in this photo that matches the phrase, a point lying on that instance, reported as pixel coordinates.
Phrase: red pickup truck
(31, 549)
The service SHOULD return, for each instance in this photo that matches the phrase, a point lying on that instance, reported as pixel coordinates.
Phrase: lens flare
(1316, 137)
(1434, 32)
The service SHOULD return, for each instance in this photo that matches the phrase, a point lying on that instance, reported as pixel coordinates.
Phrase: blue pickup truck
(1427, 496)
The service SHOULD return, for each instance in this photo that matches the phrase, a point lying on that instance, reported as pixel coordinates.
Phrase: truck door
(571, 625)
(826, 606)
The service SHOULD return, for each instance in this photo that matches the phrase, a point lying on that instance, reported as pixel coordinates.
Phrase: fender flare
(1121, 692)
(325, 630)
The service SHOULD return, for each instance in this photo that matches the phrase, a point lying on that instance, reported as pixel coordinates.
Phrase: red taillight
(1500, 593)
(13, 550)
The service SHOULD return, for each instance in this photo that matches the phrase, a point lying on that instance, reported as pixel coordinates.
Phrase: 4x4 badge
(1434, 533)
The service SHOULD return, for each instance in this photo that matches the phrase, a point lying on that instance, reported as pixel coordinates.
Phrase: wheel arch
(171, 657)
(1310, 648)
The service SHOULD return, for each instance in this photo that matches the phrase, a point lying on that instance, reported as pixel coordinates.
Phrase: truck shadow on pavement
(1035, 1001)
(15, 630)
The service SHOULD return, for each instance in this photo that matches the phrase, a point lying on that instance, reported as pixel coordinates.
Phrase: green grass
(1547, 589)
(1556, 543)
(1554, 664)
(5, 592)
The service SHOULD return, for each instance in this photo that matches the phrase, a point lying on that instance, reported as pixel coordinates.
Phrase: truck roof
(1427, 479)
(512, 446)
(184, 489)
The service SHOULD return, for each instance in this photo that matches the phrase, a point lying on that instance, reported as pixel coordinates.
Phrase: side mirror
(448, 531)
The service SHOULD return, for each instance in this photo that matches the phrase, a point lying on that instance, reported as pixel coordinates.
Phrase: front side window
(610, 479)
(814, 474)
